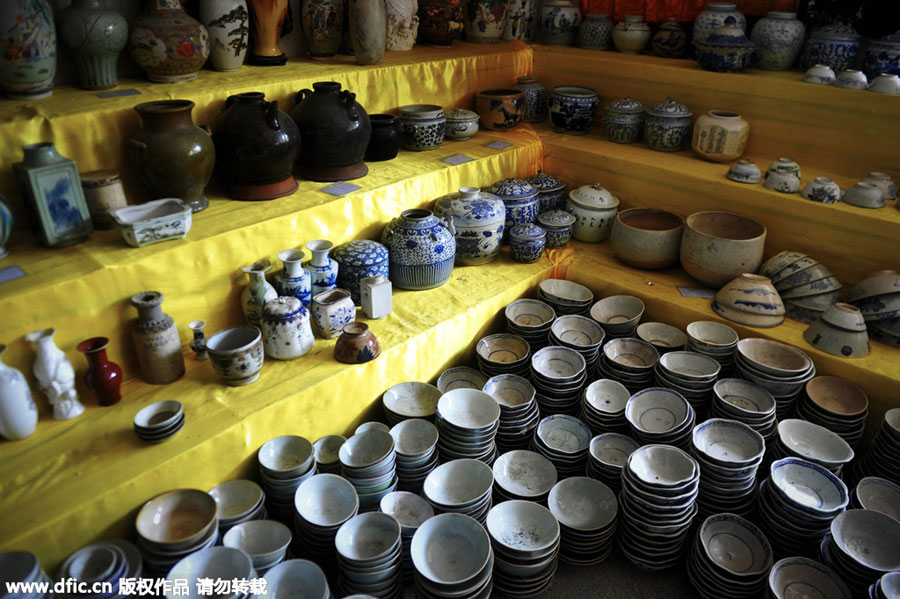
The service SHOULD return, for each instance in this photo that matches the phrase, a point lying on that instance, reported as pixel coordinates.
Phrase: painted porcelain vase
(156, 340)
(479, 219)
(559, 22)
(835, 44)
(267, 18)
(360, 259)
(536, 98)
(258, 293)
(7, 220)
(780, 37)
(331, 311)
(595, 32)
(368, 30)
(422, 249)
(594, 209)
(670, 40)
(402, 24)
(520, 199)
(228, 24)
(624, 121)
(28, 44)
(667, 126)
(714, 17)
(54, 375)
(356, 345)
(485, 20)
(167, 44)
(572, 109)
(441, 22)
(882, 55)
(323, 24)
(632, 35)
(322, 268)
(551, 191)
(286, 329)
(519, 20)
(293, 280)
(94, 35)
(720, 136)
(103, 377)
(18, 413)
(198, 339)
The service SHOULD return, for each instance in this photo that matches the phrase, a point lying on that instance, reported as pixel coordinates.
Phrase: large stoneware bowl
(719, 246)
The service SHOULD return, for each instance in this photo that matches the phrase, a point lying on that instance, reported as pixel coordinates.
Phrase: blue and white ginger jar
(359, 259)
(727, 49)
(624, 121)
(422, 249)
(520, 199)
(527, 242)
(882, 56)
(667, 126)
(551, 191)
(558, 224)
(780, 37)
(479, 219)
(595, 33)
(835, 45)
(572, 109)
(714, 17)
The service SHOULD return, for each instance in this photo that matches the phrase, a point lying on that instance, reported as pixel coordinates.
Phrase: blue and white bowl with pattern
(851, 79)
(667, 126)
(558, 224)
(527, 242)
(520, 199)
(835, 44)
(820, 73)
(551, 191)
(572, 109)
(479, 219)
(744, 171)
(360, 259)
(422, 249)
(727, 49)
(423, 126)
(822, 190)
(780, 37)
(624, 121)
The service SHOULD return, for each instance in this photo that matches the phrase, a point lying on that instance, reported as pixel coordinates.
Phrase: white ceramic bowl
(710, 335)
(468, 409)
(296, 578)
(530, 314)
(583, 504)
(236, 498)
(564, 434)
(213, 562)
(367, 537)
(868, 538)
(558, 363)
(510, 390)
(813, 442)
(837, 397)
(879, 495)
(735, 545)
(458, 482)
(890, 585)
(262, 540)
(450, 549)
(745, 396)
(159, 415)
(325, 449)
(502, 349)
(690, 366)
(657, 410)
(578, 331)
(631, 353)
(410, 510)
(613, 449)
(287, 456)
(523, 526)
(326, 500)
(808, 485)
(460, 377)
(607, 396)
(366, 449)
(661, 335)
(774, 358)
(728, 441)
(809, 577)
(662, 466)
(564, 291)
(524, 473)
(414, 437)
(176, 519)
(372, 426)
(412, 399)
(618, 313)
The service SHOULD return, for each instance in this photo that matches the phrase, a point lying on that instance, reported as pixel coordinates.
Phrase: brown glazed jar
(356, 344)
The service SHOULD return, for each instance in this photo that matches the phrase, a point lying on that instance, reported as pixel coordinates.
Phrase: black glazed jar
(385, 141)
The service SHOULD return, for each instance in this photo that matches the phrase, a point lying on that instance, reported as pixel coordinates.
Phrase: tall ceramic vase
(323, 22)
(104, 378)
(258, 293)
(293, 280)
(267, 17)
(27, 48)
(322, 268)
(18, 414)
(156, 340)
(368, 30)
(54, 375)
(402, 24)
(167, 44)
(94, 35)
(228, 24)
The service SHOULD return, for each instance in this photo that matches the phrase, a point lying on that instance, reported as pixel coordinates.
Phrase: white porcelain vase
(18, 414)
(55, 375)
(228, 23)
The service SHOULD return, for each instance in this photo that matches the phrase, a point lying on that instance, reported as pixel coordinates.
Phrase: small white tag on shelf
(10, 273)
(456, 159)
(498, 145)
(119, 93)
(340, 188)
(694, 292)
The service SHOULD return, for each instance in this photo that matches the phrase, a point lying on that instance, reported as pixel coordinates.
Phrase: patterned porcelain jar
(259, 292)
(726, 50)
(423, 126)
(631, 35)
(462, 124)
(780, 37)
(667, 126)
(422, 250)
(670, 41)
(293, 280)
(519, 20)
(720, 136)
(360, 259)
(286, 329)
(536, 99)
(558, 224)
(559, 22)
(595, 209)
(485, 20)
(330, 311)
(527, 243)
(521, 201)
(595, 33)
(479, 218)
(323, 270)
(167, 44)
(572, 109)
(714, 17)
(624, 121)
(882, 56)
(835, 45)
(551, 191)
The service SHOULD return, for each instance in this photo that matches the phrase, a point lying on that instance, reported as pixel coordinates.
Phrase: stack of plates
(862, 547)
(731, 558)
(523, 474)
(877, 298)
(797, 504)
(782, 369)
(660, 416)
(467, 421)
(531, 320)
(715, 340)
(369, 463)
(838, 405)
(238, 501)
(877, 494)
(883, 458)
(461, 487)
(453, 559)
(887, 587)
(664, 337)
(628, 361)
(173, 525)
(581, 334)
(415, 443)
(565, 297)
(659, 489)
(806, 286)
(411, 512)
(369, 554)
(325, 452)
(503, 354)
(619, 315)
(210, 564)
(802, 439)
(264, 541)
(106, 561)
(284, 463)
(322, 503)
(586, 510)
(564, 440)
(603, 406)
(729, 454)
(23, 566)
(287, 579)
(519, 413)
(525, 540)
(692, 374)
(559, 375)
(607, 456)
(460, 377)
(737, 399)
(816, 580)
(410, 400)
(159, 421)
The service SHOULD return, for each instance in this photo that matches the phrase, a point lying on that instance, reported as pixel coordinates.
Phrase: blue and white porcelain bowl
(885, 83)
(667, 126)
(359, 259)
(851, 79)
(527, 242)
(479, 218)
(624, 121)
(808, 487)
(822, 190)
(744, 171)
(423, 126)
(558, 224)
(820, 73)
(572, 109)
(551, 191)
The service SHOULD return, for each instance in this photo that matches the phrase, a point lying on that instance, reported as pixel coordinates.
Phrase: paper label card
(10, 273)
(118, 93)
(456, 159)
(498, 145)
(340, 188)
(693, 292)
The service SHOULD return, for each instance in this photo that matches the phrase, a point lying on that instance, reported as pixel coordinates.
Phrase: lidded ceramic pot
(667, 126)
(780, 37)
(462, 124)
(558, 224)
(536, 98)
(479, 218)
(720, 136)
(286, 329)
(520, 199)
(727, 49)
(835, 44)
(882, 56)
(670, 40)
(572, 109)
(631, 35)
(624, 121)
(527, 242)
(551, 191)
(595, 209)
(595, 32)
(423, 126)
(359, 259)
(713, 17)
(422, 249)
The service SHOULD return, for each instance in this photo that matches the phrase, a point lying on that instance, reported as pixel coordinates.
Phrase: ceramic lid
(556, 218)
(835, 31)
(626, 105)
(671, 25)
(360, 252)
(513, 189)
(527, 232)
(893, 38)
(544, 182)
(282, 308)
(593, 197)
(729, 35)
(461, 114)
(471, 207)
(670, 108)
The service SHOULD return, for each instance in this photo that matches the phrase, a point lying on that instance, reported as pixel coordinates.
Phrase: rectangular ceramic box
(152, 222)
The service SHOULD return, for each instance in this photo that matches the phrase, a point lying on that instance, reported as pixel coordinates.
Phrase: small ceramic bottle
(720, 136)
(631, 35)
(323, 270)
(103, 377)
(198, 343)
(156, 340)
(375, 296)
(286, 329)
(18, 414)
(258, 292)
(330, 311)
(55, 375)
(356, 345)
(293, 280)
(103, 193)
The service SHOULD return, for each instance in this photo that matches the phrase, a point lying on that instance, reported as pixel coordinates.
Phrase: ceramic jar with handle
(594, 209)
(720, 136)
(286, 329)
(479, 219)
(18, 414)
(422, 249)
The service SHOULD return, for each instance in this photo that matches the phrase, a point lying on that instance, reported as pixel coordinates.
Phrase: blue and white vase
(558, 224)
(624, 121)
(479, 219)
(595, 33)
(780, 37)
(360, 259)
(6, 225)
(330, 311)
(559, 22)
(551, 191)
(527, 243)
(882, 56)
(520, 199)
(323, 270)
(572, 109)
(836, 45)
(667, 126)
(714, 17)
(293, 280)
(422, 249)
(536, 98)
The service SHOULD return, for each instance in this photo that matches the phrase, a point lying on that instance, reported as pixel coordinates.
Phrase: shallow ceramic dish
(450, 549)
(736, 545)
(530, 314)
(808, 576)
(808, 485)
(288, 579)
(578, 331)
(367, 537)
(710, 335)
(177, 519)
(618, 313)
(879, 495)
(662, 466)
(524, 473)
(414, 437)
(326, 500)
(868, 538)
(458, 482)
(583, 504)
(468, 409)
(461, 377)
(213, 562)
(773, 357)
(502, 349)
(612, 449)
(510, 390)
(325, 449)
(607, 396)
(236, 498)
(563, 291)
(728, 441)
(564, 434)
(745, 396)
(262, 540)
(813, 442)
(631, 354)
(664, 337)
(523, 527)
(691, 366)
(558, 364)
(159, 415)
(657, 410)
(154, 221)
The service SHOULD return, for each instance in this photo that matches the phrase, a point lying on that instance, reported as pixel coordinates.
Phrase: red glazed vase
(441, 21)
(104, 378)
(168, 44)
(356, 344)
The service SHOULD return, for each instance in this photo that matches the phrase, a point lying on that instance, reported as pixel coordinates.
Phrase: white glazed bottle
(18, 414)
(375, 296)
(55, 375)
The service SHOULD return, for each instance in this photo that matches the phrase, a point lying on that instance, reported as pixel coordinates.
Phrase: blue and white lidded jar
(780, 37)
(714, 17)
(293, 280)
(322, 268)
(359, 259)
(551, 191)
(667, 127)
(422, 249)
(536, 98)
(882, 56)
(423, 126)
(330, 311)
(479, 219)
(572, 109)
(595, 33)
(594, 209)
(624, 121)
(836, 45)
(520, 199)
(558, 224)
(527, 242)
(462, 124)
(286, 329)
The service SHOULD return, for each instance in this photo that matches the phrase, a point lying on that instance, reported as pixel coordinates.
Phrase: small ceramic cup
(423, 126)
(851, 79)
(820, 73)
(527, 242)
(744, 171)
(822, 189)
(864, 195)
(886, 83)
(236, 354)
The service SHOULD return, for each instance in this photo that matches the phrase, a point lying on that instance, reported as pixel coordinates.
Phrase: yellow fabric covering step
(75, 481)
(838, 131)
(851, 241)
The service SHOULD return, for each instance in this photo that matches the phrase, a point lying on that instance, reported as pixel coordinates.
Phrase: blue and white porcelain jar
(536, 99)
(286, 329)
(330, 311)
(423, 126)
(551, 191)
(595, 33)
(667, 126)
(293, 280)
(624, 121)
(780, 37)
(882, 56)
(726, 50)
(559, 22)
(835, 45)
(422, 249)
(359, 259)
(521, 201)
(527, 243)
(572, 109)
(479, 219)
(594, 209)
(714, 17)
(558, 224)
(323, 270)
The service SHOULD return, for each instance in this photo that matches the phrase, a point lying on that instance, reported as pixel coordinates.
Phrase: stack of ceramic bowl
(877, 494)
(284, 463)
(661, 416)
(730, 558)
(159, 421)
(565, 297)
(410, 400)
(523, 474)
(657, 504)
(817, 444)
(525, 540)
(587, 512)
(619, 315)
(729, 454)
(747, 402)
(840, 331)
(210, 564)
(692, 374)
(503, 354)
(173, 525)
(369, 462)
(264, 541)
(460, 377)
(564, 440)
(467, 422)
(369, 555)
(285, 580)
(581, 334)
(797, 504)
(23, 566)
(664, 337)
(238, 501)
(415, 443)
(411, 511)
(887, 587)
(603, 406)
(519, 413)
(862, 547)
(838, 405)
(883, 458)
(103, 562)
(461, 487)
(559, 375)
(453, 559)
(750, 300)
(782, 369)
(629, 361)
(531, 320)
(807, 287)
(371, 425)
(322, 504)
(607, 455)
(715, 340)
(878, 299)
(816, 579)
(325, 452)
